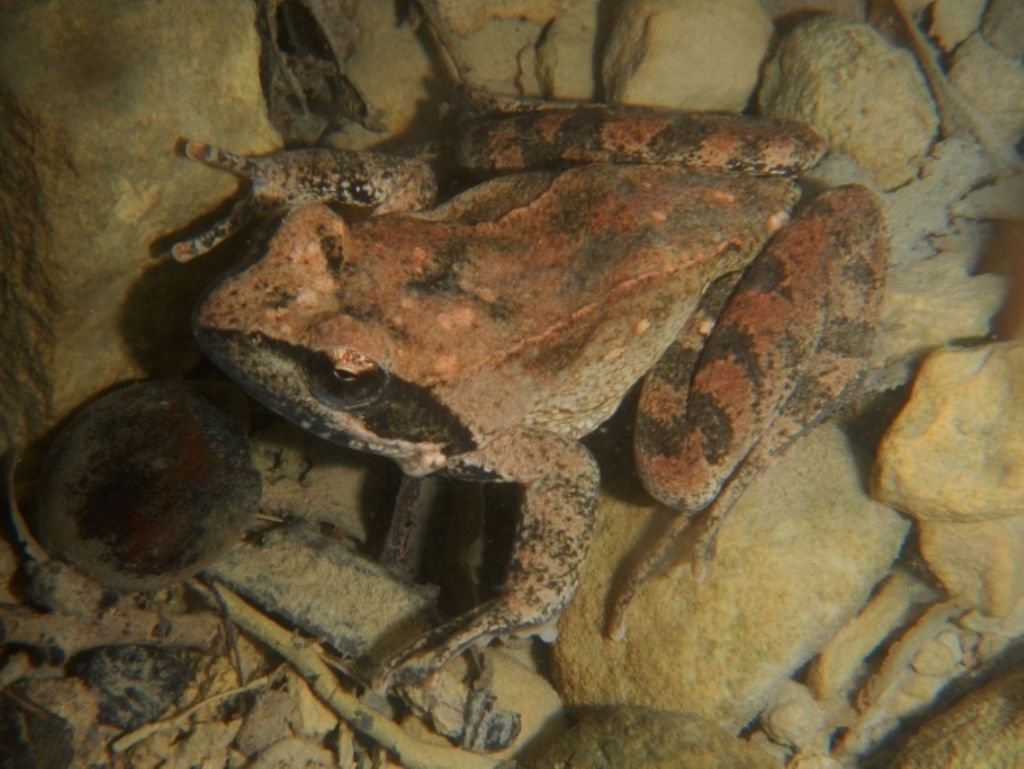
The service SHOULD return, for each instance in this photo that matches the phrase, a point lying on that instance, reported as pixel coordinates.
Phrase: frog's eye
(345, 379)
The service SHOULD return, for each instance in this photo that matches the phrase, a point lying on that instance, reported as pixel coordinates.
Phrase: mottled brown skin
(703, 142)
(292, 179)
(788, 349)
(483, 337)
(785, 306)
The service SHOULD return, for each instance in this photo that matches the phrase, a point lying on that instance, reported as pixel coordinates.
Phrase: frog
(598, 248)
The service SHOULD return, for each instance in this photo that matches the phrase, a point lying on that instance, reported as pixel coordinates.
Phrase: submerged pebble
(954, 461)
(146, 486)
(864, 96)
(135, 683)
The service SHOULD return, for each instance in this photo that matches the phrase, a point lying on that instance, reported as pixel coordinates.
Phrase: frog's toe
(413, 674)
(212, 155)
(217, 233)
(436, 648)
(421, 662)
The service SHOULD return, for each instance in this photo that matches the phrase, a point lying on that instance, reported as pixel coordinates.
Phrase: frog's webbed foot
(661, 557)
(293, 178)
(419, 663)
(560, 482)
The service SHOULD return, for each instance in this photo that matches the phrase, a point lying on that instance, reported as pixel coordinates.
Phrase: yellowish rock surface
(797, 558)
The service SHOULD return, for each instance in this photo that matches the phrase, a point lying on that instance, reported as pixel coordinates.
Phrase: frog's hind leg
(571, 135)
(815, 396)
(788, 350)
(693, 432)
(559, 478)
(829, 379)
(661, 556)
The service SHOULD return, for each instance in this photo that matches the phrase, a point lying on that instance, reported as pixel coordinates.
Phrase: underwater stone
(146, 486)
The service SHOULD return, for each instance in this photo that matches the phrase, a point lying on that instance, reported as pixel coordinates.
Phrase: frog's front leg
(788, 349)
(559, 479)
(293, 178)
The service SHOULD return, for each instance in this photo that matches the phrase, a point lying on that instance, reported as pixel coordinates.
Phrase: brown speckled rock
(146, 486)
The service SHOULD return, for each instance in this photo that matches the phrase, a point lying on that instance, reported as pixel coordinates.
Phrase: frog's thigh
(560, 481)
(765, 342)
(855, 278)
(661, 412)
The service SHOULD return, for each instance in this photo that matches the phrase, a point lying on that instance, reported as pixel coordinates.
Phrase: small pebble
(136, 683)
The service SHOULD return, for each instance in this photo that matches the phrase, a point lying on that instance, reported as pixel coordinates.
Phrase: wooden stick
(72, 633)
(409, 751)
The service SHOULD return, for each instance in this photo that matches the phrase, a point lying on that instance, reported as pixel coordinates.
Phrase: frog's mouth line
(402, 420)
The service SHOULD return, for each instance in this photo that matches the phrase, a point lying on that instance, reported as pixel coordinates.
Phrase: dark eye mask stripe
(401, 411)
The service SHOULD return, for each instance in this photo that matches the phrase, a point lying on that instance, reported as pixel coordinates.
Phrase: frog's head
(282, 329)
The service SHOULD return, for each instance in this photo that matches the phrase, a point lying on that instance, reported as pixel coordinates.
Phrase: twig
(232, 637)
(73, 633)
(410, 751)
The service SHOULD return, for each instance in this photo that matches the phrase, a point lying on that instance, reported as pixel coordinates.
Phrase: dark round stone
(146, 486)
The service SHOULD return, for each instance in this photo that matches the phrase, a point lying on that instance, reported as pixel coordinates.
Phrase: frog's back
(555, 292)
